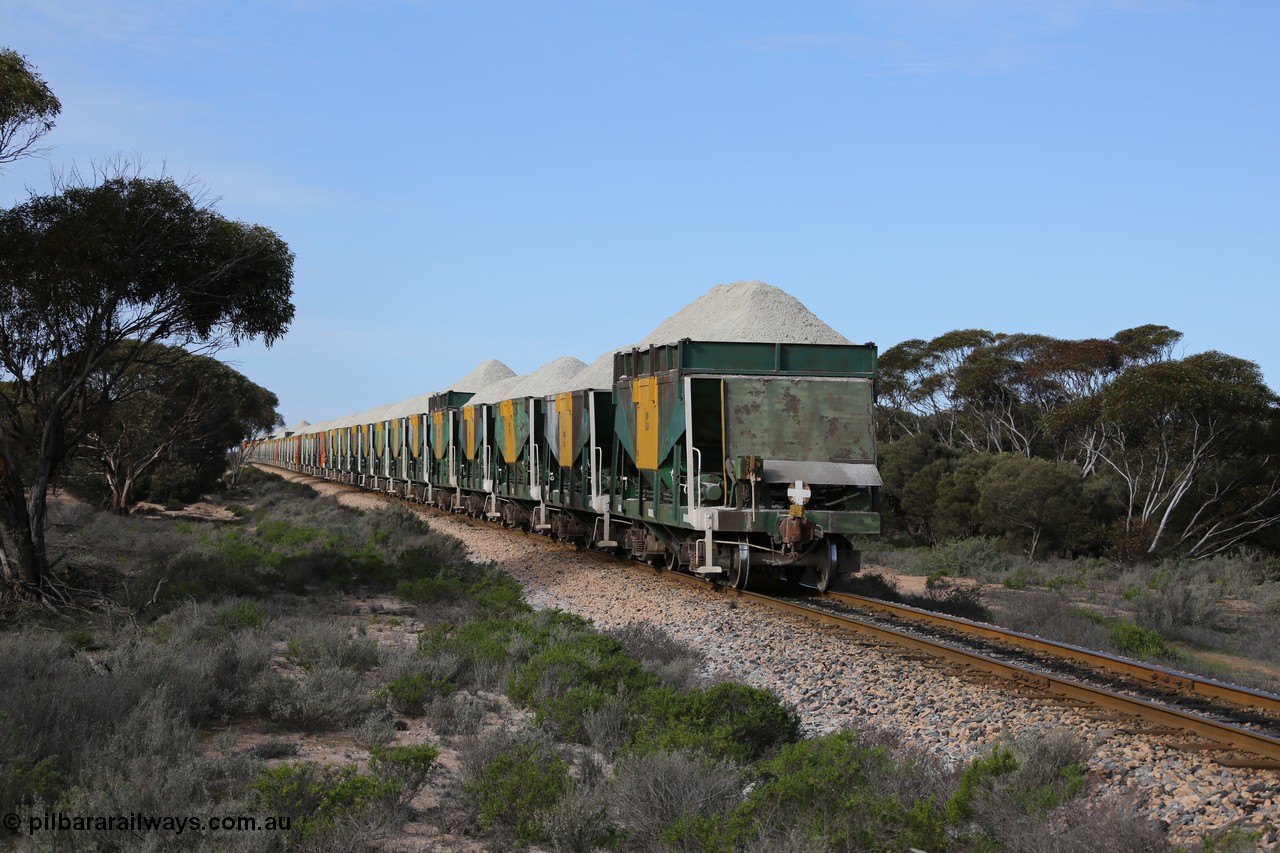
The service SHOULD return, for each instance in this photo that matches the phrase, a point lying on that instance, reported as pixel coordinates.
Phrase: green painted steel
(515, 472)
(744, 357)
(800, 419)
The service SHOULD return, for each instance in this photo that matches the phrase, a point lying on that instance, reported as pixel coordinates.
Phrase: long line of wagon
(726, 459)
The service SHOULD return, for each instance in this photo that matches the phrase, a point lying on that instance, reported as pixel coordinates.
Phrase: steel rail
(1156, 675)
(1220, 736)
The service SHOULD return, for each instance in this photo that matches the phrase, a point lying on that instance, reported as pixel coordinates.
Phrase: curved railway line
(1233, 726)
(1160, 736)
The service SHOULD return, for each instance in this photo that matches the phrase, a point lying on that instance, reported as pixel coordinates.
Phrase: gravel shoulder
(833, 681)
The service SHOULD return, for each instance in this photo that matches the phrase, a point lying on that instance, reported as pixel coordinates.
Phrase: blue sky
(517, 180)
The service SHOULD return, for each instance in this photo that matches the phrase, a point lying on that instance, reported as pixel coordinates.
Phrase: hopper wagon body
(726, 459)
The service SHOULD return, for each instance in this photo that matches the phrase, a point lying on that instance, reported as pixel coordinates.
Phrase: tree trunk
(23, 559)
(120, 488)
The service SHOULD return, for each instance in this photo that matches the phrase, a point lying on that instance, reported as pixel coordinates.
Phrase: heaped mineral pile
(742, 311)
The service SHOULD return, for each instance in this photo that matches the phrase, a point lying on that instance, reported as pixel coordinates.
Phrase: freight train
(730, 460)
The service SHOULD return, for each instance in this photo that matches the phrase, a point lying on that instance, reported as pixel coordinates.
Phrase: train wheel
(739, 567)
(828, 565)
(672, 560)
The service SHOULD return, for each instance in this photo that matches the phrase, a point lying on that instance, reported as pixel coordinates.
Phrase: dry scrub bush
(910, 772)
(651, 792)
(327, 698)
(580, 823)
(90, 539)
(1113, 824)
(274, 748)
(329, 642)
(376, 730)
(609, 727)
(675, 663)
(64, 705)
(213, 681)
(1179, 603)
(459, 714)
(1048, 615)
(149, 765)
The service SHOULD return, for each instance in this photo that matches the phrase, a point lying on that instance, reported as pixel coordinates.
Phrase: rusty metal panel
(800, 419)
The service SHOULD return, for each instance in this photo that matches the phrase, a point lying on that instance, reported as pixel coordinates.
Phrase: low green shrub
(282, 534)
(978, 774)
(1133, 639)
(961, 558)
(1023, 578)
(319, 797)
(249, 614)
(1234, 839)
(831, 793)
(499, 595)
(403, 769)
(725, 722)
(430, 590)
(78, 639)
(24, 782)
(517, 790)
(410, 694)
(487, 649)
(575, 676)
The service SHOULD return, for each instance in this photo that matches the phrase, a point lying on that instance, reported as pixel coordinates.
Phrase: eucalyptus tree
(1035, 500)
(990, 392)
(1195, 446)
(171, 420)
(916, 389)
(28, 107)
(90, 276)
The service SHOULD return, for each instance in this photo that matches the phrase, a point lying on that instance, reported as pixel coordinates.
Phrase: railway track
(1247, 707)
(1232, 726)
